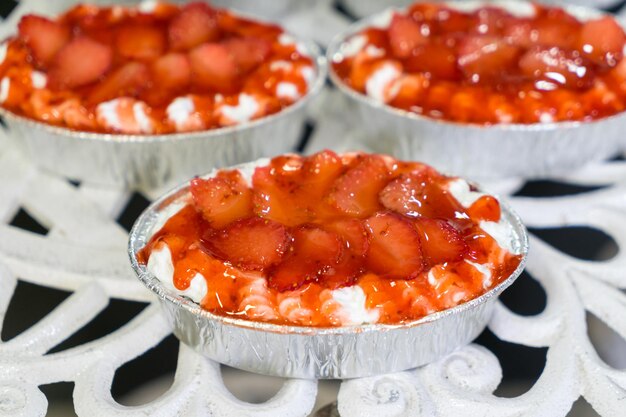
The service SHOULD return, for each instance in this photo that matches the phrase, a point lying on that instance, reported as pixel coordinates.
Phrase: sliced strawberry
(248, 52)
(213, 67)
(252, 243)
(441, 242)
(44, 37)
(435, 59)
(222, 200)
(319, 172)
(395, 251)
(140, 42)
(486, 208)
(602, 40)
(520, 33)
(404, 35)
(486, 57)
(80, 62)
(195, 25)
(172, 71)
(128, 80)
(314, 252)
(355, 193)
(558, 29)
(353, 233)
(557, 67)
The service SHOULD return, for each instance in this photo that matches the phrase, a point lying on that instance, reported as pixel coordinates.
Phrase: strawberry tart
(156, 68)
(331, 240)
(520, 64)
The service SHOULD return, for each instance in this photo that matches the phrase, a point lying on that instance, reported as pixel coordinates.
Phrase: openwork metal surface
(84, 252)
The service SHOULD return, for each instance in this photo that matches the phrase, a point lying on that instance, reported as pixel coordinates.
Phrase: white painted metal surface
(84, 253)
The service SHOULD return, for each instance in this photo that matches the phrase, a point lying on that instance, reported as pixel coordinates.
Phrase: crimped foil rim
(321, 71)
(339, 39)
(154, 284)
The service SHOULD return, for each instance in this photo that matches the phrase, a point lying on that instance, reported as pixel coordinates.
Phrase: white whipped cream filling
(147, 6)
(108, 111)
(502, 232)
(5, 85)
(38, 79)
(380, 81)
(308, 74)
(161, 266)
(244, 111)
(281, 65)
(144, 122)
(179, 111)
(517, 9)
(485, 270)
(352, 302)
(4, 46)
(286, 39)
(461, 191)
(353, 46)
(287, 90)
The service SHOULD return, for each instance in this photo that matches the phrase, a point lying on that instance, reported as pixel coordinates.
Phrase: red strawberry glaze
(281, 258)
(489, 66)
(91, 55)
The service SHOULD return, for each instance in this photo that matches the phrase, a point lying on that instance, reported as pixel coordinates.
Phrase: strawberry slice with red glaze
(195, 25)
(80, 62)
(486, 56)
(437, 59)
(486, 208)
(353, 233)
(314, 252)
(557, 67)
(213, 67)
(43, 37)
(404, 35)
(128, 80)
(248, 52)
(172, 71)
(140, 42)
(356, 241)
(395, 251)
(441, 242)
(252, 243)
(602, 40)
(355, 193)
(222, 199)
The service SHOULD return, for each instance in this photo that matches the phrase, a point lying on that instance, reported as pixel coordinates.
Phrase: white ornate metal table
(83, 252)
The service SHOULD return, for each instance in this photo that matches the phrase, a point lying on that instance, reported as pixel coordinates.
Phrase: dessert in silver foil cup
(146, 161)
(481, 151)
(315, 352)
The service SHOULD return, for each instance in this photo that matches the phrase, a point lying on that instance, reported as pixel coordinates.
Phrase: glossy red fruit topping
(248, 52)
(555, 67)
(252, 243)
(140, 42)
(172, 71)
(486, 208)
(486, 57)
(404, 35)
(437, 60)
(602, 40)
(44, 37)
(440, 241)
(80, 62)
(395, 251)
(213, 67)
(314, 252)
(128, 80)
(355, 193)
(196, 24)
(222, 199)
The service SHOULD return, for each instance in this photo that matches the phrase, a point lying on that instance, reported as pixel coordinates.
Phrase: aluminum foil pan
(311, 352)
(476, 151)
(150, 161)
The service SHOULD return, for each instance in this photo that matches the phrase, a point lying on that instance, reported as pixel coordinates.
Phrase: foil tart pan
(477, 151)
(151, 161)
(314, 352)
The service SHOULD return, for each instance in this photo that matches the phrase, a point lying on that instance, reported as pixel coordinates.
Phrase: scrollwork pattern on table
(93, 266)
